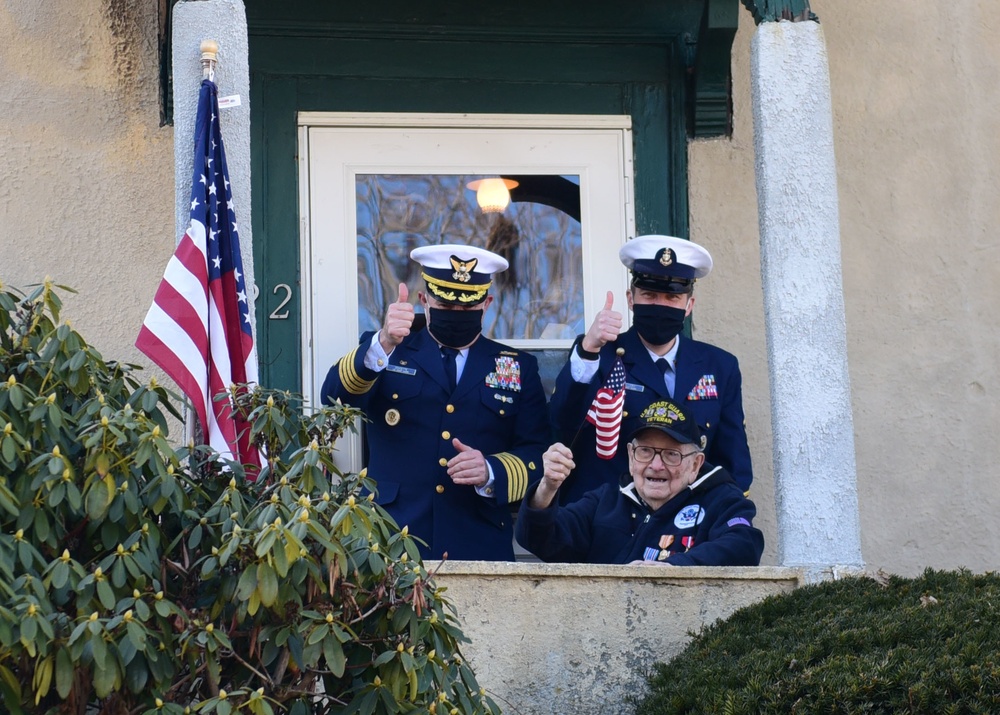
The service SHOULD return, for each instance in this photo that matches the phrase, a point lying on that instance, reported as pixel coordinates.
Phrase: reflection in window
(539, 297)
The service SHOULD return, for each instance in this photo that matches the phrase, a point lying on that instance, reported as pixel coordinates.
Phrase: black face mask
(455, 328)
(657, 324)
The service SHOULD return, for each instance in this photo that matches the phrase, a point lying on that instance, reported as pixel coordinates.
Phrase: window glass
(539, 297)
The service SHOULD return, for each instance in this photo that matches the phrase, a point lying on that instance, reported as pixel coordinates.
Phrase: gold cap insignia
(463, 269)
(666, 256)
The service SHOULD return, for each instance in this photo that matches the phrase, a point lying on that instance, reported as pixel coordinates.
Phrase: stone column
(225, 22)
(815, 471)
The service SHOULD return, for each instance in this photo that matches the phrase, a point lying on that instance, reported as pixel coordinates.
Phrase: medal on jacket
(506, 375)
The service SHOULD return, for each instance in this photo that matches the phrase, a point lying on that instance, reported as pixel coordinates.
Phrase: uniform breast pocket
(500, 404)
(400, 387)
(706, 413)
(499, 409)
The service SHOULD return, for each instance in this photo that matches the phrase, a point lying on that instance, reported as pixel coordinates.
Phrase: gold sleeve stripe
(511, 470)
(517, 475)
(349, 377)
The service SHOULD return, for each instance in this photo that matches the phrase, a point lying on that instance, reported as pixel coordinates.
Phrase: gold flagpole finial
(209, 58)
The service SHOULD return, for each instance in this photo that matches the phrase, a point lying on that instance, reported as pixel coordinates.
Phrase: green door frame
(565, 58)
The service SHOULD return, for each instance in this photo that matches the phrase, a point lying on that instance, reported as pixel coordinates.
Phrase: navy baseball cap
(670, 419)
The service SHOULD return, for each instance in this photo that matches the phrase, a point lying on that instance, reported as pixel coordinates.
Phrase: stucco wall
(86, 170)
(574, 639)
(917, 140)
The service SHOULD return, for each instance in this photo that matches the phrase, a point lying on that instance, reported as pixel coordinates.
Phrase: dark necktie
(668, 375)
(449, 354)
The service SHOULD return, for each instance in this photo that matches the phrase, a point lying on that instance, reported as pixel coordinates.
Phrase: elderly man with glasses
(673, 512)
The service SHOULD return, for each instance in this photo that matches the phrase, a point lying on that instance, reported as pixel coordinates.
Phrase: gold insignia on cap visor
(463, 269)
(666, 257)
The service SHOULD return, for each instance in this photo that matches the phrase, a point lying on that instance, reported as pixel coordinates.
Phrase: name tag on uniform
(400, 370)
(634, 387)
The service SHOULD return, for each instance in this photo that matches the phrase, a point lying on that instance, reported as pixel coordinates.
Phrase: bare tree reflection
(541, 295)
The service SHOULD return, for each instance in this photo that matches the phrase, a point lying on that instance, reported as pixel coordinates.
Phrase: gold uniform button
(489, 491)
(449, 409)
(446, 435)
(439, 489)
(395, 395)
(443, 462)
(502, 412)
(624, 413)
(381, 362)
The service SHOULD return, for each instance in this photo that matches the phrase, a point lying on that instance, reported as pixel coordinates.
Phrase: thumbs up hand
(398, 321)
(468, 466)
(605, 328)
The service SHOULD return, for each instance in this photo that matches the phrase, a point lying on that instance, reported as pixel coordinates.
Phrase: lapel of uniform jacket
(478, 363)
(639, 368)
(424, 351)
(689, 368)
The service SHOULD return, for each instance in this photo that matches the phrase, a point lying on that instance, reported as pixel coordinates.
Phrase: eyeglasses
(670, 457)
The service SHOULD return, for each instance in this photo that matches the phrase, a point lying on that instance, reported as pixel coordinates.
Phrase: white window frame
(335, 147)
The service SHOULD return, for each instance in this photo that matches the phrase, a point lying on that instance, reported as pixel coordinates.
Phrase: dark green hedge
(858, 645)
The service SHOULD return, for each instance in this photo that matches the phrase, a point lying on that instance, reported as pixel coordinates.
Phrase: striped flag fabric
(198, 329)
(605, 412)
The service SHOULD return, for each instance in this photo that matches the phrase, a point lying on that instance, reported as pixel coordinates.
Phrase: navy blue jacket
(709, 523)
(708, 381)
(413, 419)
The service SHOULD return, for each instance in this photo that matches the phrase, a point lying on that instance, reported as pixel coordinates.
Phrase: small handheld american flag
(605, 412)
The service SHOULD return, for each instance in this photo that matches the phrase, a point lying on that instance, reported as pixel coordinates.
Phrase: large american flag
(198, 328)
(605, 412)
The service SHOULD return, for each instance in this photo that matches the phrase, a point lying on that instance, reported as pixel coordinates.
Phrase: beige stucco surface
(86, 170)
(86, 196)
(917, 140)
(567, 638)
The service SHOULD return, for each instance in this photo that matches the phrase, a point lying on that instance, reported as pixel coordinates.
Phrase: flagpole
(209, 58)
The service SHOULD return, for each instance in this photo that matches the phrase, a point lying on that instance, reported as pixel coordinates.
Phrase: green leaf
(10, 681)
(105, 677)
(29, 629)
(64, 673)
(98, 500)
(318, 634)
(136, 634)
(333, 652)
(267, 584)
(136, 675)
(295, 646)
(8, 449)
(105, 595)
(247, 584)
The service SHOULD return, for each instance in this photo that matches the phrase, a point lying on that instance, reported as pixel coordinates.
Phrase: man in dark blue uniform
(659, 364)
(458, 422)
(672, 513)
